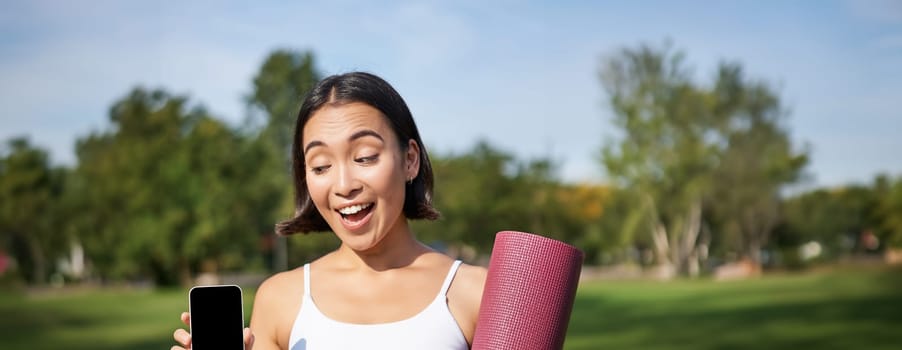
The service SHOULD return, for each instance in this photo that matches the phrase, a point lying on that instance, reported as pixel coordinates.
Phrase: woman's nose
(346, 185)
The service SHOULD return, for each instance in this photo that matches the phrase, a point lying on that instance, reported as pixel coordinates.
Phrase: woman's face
(356, 173)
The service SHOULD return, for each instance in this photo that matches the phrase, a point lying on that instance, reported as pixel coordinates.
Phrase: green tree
(593, 219)
(756, 162)
(842, 218)
(703, 163)
(621, 229)
(889, 212)
(666, 155)
(486, 190)
(836, 218)
(30, 222)
(161, 194)
(278, 89)
(277, 92)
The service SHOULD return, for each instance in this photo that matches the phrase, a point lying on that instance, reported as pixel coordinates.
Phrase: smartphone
(217, 317)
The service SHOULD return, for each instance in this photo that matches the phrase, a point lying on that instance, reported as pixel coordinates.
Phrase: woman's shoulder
(470, 279)
(283, 284)
(276, 302)
(289, 283)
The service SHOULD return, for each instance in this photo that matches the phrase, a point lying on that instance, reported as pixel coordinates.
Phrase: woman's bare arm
(465, 296)
(275, 305)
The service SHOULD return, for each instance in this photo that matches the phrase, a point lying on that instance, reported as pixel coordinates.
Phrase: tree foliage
(486, 190)
(889, 211)
(757, 160)
(167, 192)
(30, 217)
(696, 156)
(844, 218)
(278, 88)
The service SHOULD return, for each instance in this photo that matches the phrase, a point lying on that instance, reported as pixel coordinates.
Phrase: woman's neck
(397, 249)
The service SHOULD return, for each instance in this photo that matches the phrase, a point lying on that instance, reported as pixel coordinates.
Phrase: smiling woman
(357, 177)
(361, 171)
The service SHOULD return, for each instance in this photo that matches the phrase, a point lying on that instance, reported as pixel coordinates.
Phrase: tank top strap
(307, 280)
(450, 277)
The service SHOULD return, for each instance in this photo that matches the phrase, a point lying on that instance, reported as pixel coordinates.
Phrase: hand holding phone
(217, 317)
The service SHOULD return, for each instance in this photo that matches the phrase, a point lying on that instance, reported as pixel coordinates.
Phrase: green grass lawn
(845, 309)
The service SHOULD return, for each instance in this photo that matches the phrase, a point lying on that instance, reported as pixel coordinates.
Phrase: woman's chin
(359, 240)
(361, 245)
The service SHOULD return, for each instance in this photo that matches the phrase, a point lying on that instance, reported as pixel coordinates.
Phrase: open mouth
(355, 213)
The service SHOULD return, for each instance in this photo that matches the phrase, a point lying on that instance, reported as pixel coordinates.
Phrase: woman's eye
(367, 160)
(319, 169)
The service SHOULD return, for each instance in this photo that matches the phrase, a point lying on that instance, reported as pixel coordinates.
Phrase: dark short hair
(374, 91)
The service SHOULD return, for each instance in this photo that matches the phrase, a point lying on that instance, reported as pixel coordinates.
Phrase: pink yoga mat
(528, 293)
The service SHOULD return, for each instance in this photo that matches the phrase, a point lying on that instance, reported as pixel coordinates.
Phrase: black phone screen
(217, 318)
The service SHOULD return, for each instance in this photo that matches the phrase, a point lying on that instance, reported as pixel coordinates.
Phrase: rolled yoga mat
(528, 293)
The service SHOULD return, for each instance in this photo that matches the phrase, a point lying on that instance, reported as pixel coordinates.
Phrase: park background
(730, 169)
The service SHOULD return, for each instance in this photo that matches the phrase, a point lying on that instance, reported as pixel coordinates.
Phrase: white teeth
(354, 209)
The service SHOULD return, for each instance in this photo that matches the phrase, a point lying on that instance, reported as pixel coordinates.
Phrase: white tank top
(433, 328)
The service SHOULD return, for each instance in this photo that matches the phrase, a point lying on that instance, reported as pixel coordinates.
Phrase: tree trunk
(693, 267)
(658, 234)
(662, 247)
(280, 254)
(39, 270)
(665, 269)
(184, 272)
(757, 224)
(688, 252)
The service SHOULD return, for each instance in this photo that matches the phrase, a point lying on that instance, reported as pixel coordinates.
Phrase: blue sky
(520, 74)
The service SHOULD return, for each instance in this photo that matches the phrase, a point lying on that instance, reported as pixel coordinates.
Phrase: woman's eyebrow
(312, 144)
(356, 135)
(366, 132)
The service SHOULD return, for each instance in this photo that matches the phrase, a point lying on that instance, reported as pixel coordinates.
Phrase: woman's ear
(412, 159)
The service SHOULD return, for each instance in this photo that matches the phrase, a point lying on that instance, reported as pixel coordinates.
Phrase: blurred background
(730, 169)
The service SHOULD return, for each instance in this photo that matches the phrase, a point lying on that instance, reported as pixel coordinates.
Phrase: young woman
(361, 171)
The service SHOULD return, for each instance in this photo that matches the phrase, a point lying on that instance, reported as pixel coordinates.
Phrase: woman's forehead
(339, 121)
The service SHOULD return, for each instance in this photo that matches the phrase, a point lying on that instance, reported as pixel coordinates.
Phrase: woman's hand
(182, 336)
